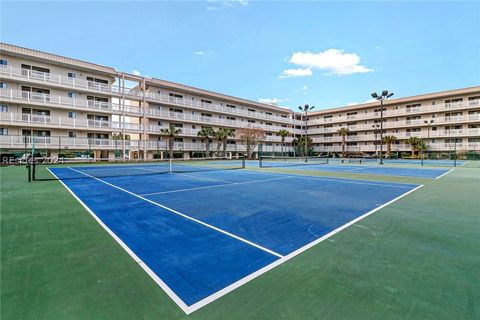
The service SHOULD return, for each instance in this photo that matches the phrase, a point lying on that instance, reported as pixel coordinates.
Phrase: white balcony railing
(53, 79)
(57, 101)
(21, 119)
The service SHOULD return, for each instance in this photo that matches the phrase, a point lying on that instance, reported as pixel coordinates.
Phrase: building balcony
(51, 79)
(202, 106)
(204, 120)
(438, 108)
(55, 101)
(32, 120)
(56, 80)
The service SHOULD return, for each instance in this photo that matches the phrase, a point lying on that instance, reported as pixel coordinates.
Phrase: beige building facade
(76, 108)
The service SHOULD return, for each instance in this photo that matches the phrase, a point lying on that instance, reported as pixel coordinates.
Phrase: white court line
(143, 265)
(386, 184)
(233, 286)
(444, 174)
(203, 178)
(269, 267)
(183, 215)
(299, 174)
(348, 170)
(215, 186)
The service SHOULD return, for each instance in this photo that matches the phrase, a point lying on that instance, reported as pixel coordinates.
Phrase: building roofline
(420, 97)
(111, 72)
(41, 55)
(212, 94)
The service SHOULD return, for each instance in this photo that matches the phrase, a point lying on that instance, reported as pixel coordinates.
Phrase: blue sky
(322, 53)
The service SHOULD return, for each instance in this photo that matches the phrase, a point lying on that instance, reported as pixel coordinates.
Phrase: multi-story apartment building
(444, 120)
(75, 107)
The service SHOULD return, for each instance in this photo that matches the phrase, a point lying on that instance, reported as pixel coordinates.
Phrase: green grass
(418, 258)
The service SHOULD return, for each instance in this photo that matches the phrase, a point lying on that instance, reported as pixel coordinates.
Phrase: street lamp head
(300, 108)
(374, 95)
(384, 93)
(389, 95)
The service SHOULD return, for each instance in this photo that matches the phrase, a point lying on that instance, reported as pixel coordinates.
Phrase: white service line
(385, 184)
(356, 169)
(215, 186)
(203, 178)
(276, 263)
(444, 174)
(183, 215)
(342, 180)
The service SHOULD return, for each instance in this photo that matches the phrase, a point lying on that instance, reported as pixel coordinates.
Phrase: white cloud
(274, 101)
(366, 101)
(219, 4)
(199, 53)
(334, 61)
(288, 73)
(136, 73)
(304, 88)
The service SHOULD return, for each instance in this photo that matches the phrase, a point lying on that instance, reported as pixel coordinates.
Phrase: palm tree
(343, 133)
(416, 144)
(283, 134)
(299, 144)
(170, 133)
(222, 135)
(219, 135)
(207, 133)
(389, 140)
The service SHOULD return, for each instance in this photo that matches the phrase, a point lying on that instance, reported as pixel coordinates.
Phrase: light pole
(385, 95)
(428, 122)
(305, 110)
(375, 128)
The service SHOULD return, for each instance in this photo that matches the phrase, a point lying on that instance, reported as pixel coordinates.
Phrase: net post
(29, 172)
(455, 153)
(33, 170)
(328, 157)
(170, 165)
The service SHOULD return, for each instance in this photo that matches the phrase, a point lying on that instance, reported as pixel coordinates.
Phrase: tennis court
(202, 233)
(321, 164)
(419, 162)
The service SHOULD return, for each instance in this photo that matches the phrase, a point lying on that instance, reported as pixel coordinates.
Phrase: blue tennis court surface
(363, 169)
(202, 234)
(429, 162)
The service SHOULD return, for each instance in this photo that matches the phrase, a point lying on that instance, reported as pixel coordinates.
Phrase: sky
(292, 53)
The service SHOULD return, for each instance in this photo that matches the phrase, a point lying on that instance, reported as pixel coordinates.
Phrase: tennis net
(272, 162)
(45, 168)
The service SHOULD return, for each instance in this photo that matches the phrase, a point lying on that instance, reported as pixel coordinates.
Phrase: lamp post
(305, 110)
(375, 128)
(384, 96)
(428, 123)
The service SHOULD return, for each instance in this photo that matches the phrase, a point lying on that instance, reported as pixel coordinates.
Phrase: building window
(72, 114)
(72, 95)
(3, 85)
(72, 75)
(72, 134)
(3, 62)
(3, 131)
(3, 108)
